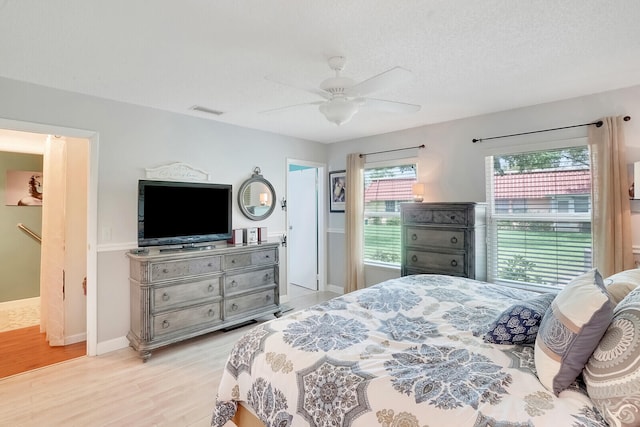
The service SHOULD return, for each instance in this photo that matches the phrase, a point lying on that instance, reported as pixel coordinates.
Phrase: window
(385, 187)
(539, 216)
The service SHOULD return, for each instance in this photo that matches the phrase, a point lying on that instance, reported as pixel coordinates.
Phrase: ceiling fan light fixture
(339, 110)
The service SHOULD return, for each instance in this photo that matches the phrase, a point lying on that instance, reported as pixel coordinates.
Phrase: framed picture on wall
(23, 188)
(337, 190)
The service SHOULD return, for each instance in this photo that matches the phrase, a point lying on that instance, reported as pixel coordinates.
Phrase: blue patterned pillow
(519, 323)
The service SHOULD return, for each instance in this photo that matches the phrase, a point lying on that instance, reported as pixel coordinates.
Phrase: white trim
(335, 230)
(112, 345)
(335, 289)
(73, 339)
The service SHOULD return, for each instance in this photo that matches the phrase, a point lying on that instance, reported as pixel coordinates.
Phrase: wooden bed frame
(245, 418)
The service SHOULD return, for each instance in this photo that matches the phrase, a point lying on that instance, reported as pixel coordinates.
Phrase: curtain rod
(389, 151)
(598, 124)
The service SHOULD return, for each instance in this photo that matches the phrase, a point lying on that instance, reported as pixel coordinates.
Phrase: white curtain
(354, 231)
(53, 240)
(611, 218)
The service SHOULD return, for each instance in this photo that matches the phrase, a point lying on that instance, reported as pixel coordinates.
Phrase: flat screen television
(183, 213)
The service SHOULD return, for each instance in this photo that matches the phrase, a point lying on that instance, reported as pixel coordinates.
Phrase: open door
(53, 241)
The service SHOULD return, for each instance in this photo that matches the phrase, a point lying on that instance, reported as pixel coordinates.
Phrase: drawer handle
(454, 240)
(267, 277)
(165, 270)
(211, 312)
(414, 258)
(234, 283)
(266, 256)
(165, 297)
(453, 217)
(233, 261)
(268, 297)
(234, 307)
(165, 324)
(210, 288)
(454, 263)
(414, 237)
(210, 264)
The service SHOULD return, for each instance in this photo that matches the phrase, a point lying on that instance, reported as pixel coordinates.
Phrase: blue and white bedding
(405, 352)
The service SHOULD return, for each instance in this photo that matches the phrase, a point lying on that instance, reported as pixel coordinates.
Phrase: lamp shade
(264, 198)
(418, 191)
(339, 110)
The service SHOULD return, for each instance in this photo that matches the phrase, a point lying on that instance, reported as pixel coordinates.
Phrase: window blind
(539, 208)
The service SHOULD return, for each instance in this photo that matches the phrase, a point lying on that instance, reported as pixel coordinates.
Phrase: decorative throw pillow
(519, 323)
(612, 374)
(571, 329)
(620, 284)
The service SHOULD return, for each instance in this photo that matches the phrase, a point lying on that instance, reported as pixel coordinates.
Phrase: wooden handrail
(30, 232)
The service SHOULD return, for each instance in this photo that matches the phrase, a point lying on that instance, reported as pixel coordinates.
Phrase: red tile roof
(537, 185)
(389, 189)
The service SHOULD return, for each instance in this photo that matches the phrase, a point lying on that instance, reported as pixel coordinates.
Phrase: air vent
(206, 110)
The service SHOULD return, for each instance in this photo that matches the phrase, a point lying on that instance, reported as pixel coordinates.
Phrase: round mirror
(256, 197)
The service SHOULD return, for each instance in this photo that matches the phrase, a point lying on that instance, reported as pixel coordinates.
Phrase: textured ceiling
(468, 57)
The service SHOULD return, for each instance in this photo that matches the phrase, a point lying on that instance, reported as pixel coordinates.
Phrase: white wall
(452, 167)
(132, 138)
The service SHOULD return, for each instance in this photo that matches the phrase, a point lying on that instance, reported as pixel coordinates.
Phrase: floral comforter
(405, 352)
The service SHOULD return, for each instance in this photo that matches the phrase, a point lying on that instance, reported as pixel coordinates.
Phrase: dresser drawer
(446, 216)
(450, 239)
(434, 262)
(245, 303)
(235, 283)
(184, 268)
(247, 259)
(172, 321)
(170, 296)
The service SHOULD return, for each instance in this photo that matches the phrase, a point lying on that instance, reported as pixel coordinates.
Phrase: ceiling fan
(343, 97)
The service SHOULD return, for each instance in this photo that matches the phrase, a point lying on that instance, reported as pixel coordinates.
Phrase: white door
(52, 253)
(302, 236)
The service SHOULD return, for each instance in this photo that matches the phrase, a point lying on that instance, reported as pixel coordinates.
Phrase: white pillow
(620, 284)
(571, 329)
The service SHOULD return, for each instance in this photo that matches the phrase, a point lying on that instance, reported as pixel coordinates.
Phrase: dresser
(185, 293)
(444, 238)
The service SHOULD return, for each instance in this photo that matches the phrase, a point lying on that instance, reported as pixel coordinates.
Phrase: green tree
(552, 159)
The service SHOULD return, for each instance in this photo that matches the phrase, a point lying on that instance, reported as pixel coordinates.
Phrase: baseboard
(72, 339)
(112, 345)
(335, 289)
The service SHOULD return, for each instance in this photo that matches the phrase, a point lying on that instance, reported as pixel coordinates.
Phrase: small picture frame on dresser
(337, 191)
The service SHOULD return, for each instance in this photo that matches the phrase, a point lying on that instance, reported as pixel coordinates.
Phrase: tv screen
(183, 213)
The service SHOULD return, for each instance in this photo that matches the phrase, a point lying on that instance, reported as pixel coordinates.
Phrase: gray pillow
(571, 329)
(612, 374)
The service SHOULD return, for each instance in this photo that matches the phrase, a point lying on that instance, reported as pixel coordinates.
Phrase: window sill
(382, 265)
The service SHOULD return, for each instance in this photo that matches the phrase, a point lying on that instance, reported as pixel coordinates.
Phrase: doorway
(90, 158)
(305, 222)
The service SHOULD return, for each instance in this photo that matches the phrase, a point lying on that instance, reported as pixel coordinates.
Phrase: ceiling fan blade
(391, 106)
(290, 107)
(313, 90)
(384, 80)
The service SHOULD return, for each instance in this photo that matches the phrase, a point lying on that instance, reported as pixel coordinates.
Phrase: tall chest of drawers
(179, 295)
(444, 238)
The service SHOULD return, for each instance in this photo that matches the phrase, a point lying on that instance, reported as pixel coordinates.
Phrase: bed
(411, 351)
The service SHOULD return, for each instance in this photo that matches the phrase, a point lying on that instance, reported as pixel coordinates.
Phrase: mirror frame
(256, 178)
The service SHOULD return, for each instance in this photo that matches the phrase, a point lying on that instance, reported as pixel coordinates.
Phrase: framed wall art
(23, 188)
(337, 190)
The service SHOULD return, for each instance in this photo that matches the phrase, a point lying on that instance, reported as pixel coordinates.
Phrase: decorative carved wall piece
(177, 171)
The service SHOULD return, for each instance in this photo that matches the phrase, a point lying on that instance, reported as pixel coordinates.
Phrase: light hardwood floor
(176, 387)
